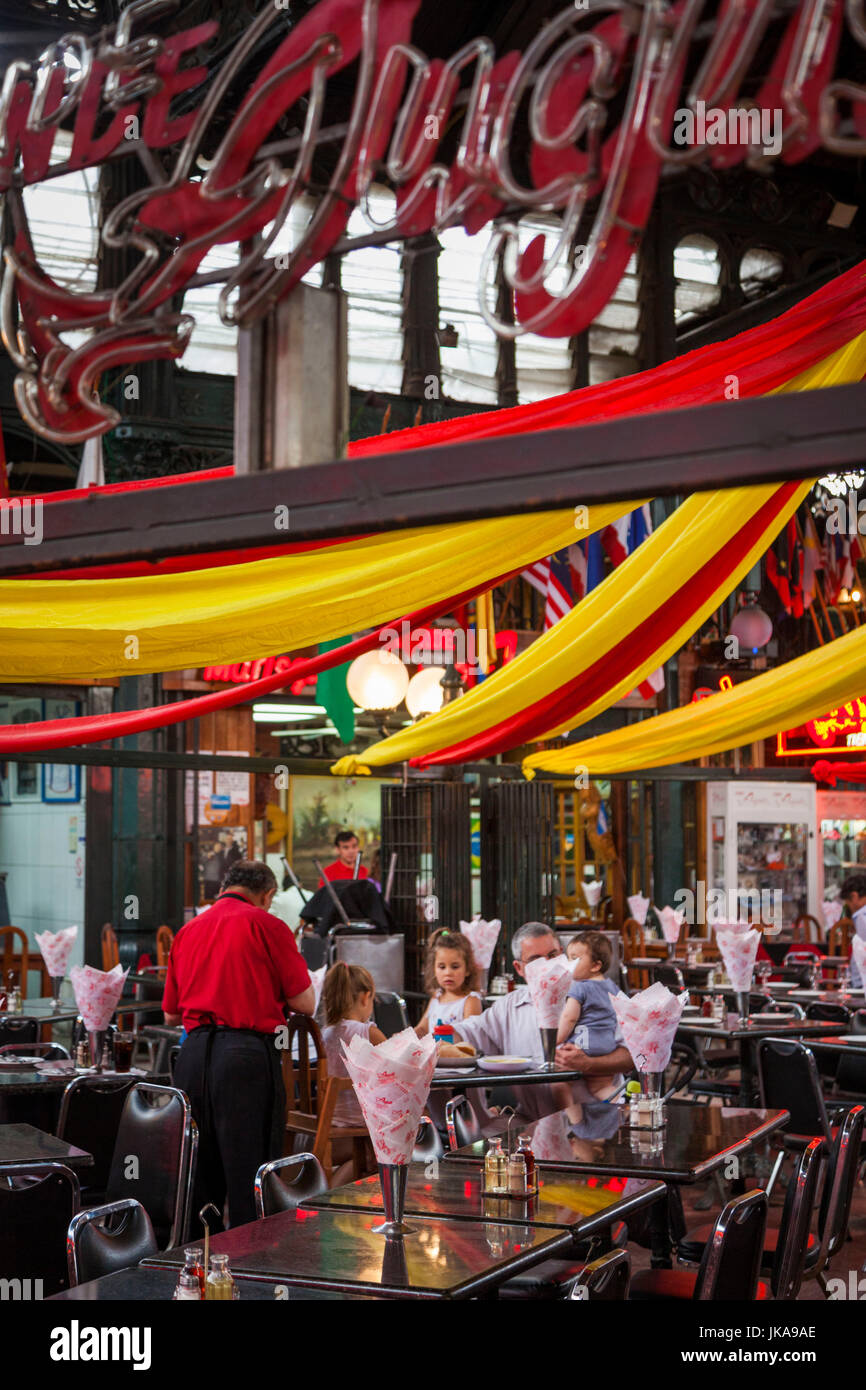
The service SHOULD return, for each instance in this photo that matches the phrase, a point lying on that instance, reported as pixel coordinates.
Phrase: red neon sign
(117, 91)
(842, 729)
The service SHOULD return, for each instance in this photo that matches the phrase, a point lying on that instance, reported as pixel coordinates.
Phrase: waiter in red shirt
(343, 866)
(232, 972)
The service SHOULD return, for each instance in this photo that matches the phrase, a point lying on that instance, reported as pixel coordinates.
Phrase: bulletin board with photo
(61, 781)
(320, 806)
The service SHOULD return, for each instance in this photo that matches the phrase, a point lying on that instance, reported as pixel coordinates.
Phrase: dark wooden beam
(659, 454)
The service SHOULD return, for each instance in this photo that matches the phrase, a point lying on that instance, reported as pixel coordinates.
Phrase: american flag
(554, 580)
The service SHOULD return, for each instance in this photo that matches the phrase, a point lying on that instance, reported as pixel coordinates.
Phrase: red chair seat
(650, 1284)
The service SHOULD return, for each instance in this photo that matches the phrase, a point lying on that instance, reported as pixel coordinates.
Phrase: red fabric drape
(569, 699)
(824, 771)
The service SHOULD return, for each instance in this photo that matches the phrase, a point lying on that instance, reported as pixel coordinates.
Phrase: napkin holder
(646, 1112)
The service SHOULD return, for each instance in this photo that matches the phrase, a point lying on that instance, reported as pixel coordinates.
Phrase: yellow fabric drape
(784, 698)
(622, 602)
(87, 628)
(601, 622)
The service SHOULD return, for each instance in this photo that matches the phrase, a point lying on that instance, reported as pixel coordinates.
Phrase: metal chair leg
(777, 1167)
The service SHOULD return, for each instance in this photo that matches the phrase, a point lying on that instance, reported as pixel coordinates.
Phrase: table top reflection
(338, 1250)
(845, 1042)
(586, 1205)
(25, 1144)
(760, 1026)
(597, 1138)
(447, 1078)
(157, 1286)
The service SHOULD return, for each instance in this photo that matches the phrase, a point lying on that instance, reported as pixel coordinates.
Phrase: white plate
(506, 1064)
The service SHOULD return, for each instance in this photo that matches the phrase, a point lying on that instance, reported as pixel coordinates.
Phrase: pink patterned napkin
(649, 1020)
(392, 1082)
(592, 890)
(832, 911)
(548, 982)
(55, 947)
(858, 955)
(638, 907)
(550, 1138)
(97, 993)
(672, 922)
(482, 936)
(738, 945)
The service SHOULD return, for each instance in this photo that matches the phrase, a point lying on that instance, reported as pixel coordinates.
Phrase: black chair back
(284, 1183)
(17, 1030)
(731, 1261)
(789, 1081)
(104, 1240)
(49, 1052)
(462, 1123)
(685, 1062)
(798, 975)
(669, 975)
(428, 1142)
(828, 1013)
(850, 1072)
(606, 1280)
(793, 1239)
(34, 1220)
(90, 1114)
(389, 1012)
(154, 1156)
(857, 1023)
(758, 1003)
(838, 1191)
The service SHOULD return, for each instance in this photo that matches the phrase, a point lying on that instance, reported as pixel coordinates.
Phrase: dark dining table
(586, 1205)
(141, 1284)
(843, 1042)
(597, 1138)
(338, 1250)
(747, 1034)
(26, 1144)
(454, 1078)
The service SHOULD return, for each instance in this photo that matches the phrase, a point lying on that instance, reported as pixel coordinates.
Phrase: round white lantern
(377, 680)
(425, 693)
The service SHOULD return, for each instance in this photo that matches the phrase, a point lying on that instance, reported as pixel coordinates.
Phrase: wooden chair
(15, 958)
(840, 937)
(311, 1096)
(807, 928)
(110, 952)
(634, 944)
(164, 939)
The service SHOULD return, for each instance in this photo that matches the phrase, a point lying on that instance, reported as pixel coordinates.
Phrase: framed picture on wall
(61, 781)
(24, 778)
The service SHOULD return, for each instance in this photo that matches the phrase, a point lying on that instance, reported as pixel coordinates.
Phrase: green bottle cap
(632, 1088)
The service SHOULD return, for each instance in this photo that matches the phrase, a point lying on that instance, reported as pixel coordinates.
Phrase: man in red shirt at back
(346, 843)
(232, 972)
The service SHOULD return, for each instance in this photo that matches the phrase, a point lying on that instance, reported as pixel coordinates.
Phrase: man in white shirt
(510, 1027)
(854, 893)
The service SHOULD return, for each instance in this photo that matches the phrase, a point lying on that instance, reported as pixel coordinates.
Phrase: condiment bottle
(220, 1284)
(529, 1158)
(13, 1002)
(494, 1163)
(188, 1284)
(517, 1183)
(443, 1032)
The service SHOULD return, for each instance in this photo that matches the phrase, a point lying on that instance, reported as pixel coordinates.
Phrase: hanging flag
(784, 565)
(537, 576)
(587, 565)
(560, 589)
(332, 692)
(812, 559)
(840, 569)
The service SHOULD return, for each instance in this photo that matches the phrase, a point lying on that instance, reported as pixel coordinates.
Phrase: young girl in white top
(347, 996)
(450, 978)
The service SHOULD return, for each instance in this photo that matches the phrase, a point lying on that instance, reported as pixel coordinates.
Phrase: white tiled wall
(42, 854)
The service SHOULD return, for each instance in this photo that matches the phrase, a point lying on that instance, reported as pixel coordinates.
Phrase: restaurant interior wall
(42, 853)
